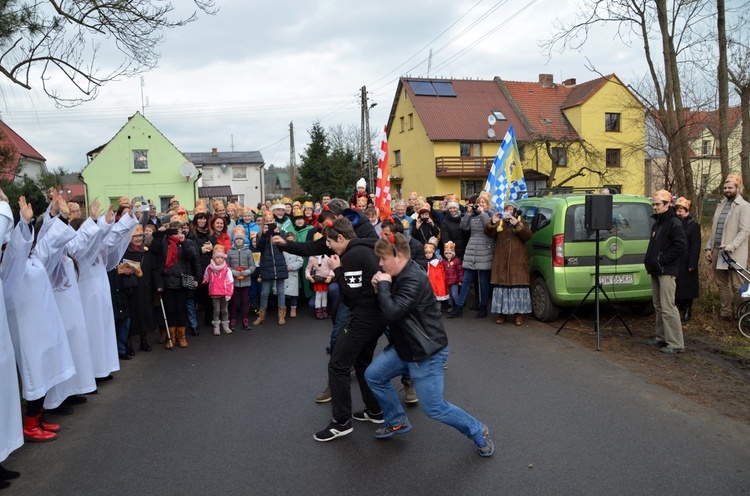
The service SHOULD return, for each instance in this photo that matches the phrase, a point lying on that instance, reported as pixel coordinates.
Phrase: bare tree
(739, 76)
(681, 24)
(63, 39)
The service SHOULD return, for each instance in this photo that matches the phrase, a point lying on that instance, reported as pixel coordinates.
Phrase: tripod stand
(597, 287)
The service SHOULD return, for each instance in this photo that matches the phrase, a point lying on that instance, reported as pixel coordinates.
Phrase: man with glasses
(729, 232)
(662, 261)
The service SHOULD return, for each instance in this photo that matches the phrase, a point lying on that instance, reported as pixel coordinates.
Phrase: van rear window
(630, 221)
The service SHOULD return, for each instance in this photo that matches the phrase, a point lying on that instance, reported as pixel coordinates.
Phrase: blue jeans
(484, 287)
(191, 315)
(266, 290)
(343, 315)
(428, 381)
(122, 328)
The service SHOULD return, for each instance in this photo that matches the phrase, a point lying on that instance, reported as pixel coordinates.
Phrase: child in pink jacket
(220, 282)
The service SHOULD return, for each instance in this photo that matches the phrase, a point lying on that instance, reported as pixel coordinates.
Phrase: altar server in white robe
(11, 432)
(64, 281)
(39, 340)
(93, 285)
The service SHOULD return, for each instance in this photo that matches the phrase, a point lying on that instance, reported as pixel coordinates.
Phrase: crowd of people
(105, 282)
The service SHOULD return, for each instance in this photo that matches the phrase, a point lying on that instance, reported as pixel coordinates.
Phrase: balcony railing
(463, 166)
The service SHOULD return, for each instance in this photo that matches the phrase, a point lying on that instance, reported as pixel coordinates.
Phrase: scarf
(138, 248)
(172, 251)
(216, 267)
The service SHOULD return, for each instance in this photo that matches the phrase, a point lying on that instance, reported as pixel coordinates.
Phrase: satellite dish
(187, 170)
(492, 119)
(490, 133)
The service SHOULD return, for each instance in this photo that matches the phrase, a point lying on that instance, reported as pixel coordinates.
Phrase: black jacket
(188, 261)
(272, 261)
(688, 284)
(450, 230)
(408, 304)
(425, 231)
(666, 245)
(358, 264)
(417, 253)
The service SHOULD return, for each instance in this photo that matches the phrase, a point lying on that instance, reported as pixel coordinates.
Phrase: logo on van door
(613, 247)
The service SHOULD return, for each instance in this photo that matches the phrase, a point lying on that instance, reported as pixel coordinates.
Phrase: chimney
(569, 82)
(214, 151)
(546, 80)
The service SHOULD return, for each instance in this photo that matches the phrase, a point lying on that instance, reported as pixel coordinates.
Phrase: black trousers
(354, 347)
(175, 306)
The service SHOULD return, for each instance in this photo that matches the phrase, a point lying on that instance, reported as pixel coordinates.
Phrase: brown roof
(214, 191)
(532, 108)
(463, 117)
(698, 120)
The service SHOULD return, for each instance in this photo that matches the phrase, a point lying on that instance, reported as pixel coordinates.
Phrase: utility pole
(143, 106)
(429, 63)
(365, 145)
(293, 162)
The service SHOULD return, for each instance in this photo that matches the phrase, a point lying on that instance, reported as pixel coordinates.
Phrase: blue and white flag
(506, 181)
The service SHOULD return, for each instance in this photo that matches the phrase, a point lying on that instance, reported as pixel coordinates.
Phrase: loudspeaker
(598, 212)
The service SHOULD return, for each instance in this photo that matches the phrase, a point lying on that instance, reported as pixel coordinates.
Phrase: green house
(139, 161)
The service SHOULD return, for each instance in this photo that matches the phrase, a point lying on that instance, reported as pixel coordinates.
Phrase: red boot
(48, 426)
(33, 431)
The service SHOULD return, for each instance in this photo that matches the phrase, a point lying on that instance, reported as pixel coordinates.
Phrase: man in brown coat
(729, 232)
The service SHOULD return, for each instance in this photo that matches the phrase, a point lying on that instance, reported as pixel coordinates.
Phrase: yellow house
(443, 134)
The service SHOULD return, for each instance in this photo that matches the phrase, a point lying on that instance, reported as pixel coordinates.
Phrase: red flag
(383, 187)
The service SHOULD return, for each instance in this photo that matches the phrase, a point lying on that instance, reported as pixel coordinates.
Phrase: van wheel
(541, 303)
(642, 309)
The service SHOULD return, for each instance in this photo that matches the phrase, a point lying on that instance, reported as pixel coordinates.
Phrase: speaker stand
(597, 287)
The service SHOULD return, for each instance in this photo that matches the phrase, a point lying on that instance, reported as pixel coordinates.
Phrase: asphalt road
(235, 415)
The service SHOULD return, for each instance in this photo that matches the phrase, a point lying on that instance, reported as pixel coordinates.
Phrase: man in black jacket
(662, 261)
(419, 347)
(354, 263)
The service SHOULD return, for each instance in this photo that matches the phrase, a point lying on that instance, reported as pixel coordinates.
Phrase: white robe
(65, 285)
(96, 298)
(11, 429)
(36, 328)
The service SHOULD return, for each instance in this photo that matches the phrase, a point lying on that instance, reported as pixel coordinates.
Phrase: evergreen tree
(314, 175)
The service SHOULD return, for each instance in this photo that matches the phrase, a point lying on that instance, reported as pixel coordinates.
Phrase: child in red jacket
(220, 282)
(454, 272)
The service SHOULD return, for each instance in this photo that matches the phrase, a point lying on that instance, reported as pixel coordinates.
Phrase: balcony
(463, 166)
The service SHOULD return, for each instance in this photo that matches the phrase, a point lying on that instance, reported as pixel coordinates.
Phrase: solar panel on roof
(444, 88)
(422, 88)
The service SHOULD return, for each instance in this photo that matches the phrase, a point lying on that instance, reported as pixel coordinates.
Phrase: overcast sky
(244, 74)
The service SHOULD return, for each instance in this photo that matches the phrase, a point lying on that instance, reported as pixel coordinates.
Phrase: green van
(562, 253)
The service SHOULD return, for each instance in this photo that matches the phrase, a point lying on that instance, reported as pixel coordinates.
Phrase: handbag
(188, 281)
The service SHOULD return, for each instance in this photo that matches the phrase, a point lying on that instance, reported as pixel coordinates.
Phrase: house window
(465, 149)
(499, 115)
(469, 188)
(403, 125)
(164, 203)
(706, 148)
(411, 121)
(613, 157)
(140, 160)
(239, 173)
(560, 156)
(611, 122)
(397, 156)
(208, 173)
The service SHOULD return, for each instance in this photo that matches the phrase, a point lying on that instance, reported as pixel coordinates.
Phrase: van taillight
(558, 253)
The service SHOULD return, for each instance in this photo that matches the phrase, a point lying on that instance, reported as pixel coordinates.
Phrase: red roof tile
(463, 117)
(21, 145)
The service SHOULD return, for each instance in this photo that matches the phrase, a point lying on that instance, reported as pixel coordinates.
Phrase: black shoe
(686, 315)
(61, 410)
(456, 312)
(4, 484)
(482, 313)
(104, 379)
(129, 350)
(145, 346)
(6, 474)
(125, 356)
(194, 331)
(366, 416)
(334, 430)
(75, 399)
(475, 306)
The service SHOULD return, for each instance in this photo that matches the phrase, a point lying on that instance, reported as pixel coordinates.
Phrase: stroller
(743, 308)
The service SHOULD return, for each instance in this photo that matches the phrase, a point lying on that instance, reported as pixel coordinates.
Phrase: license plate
(616, 279)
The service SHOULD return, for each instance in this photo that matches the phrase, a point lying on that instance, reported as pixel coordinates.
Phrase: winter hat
(683, 202)
(452, 204)
(449, 247)
(662, 195)
(361, 183)
(278, 206)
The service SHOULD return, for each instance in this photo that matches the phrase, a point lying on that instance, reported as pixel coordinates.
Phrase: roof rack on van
(568, 191)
